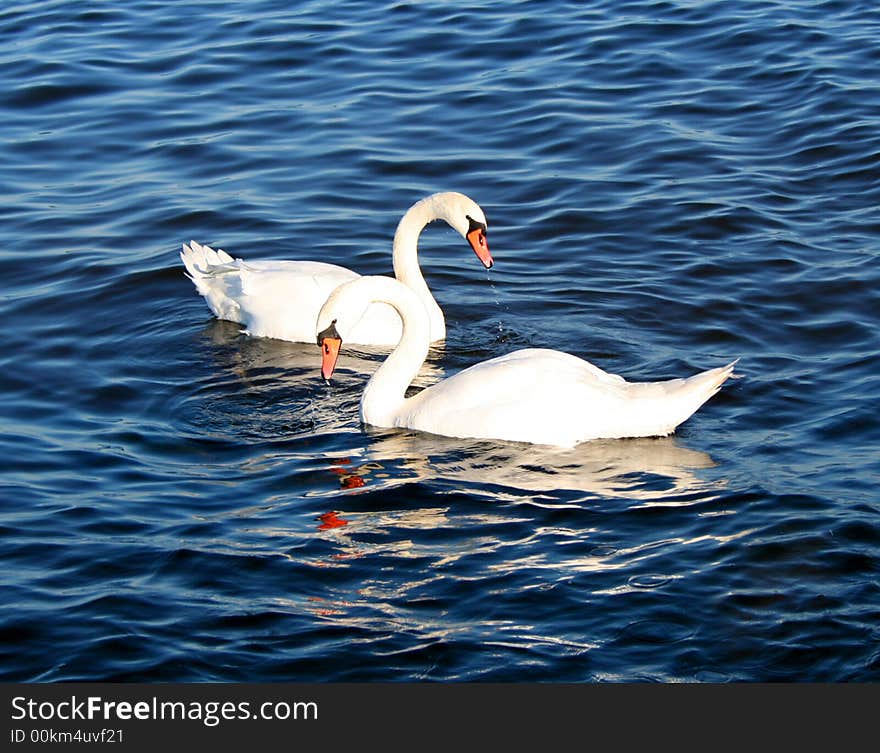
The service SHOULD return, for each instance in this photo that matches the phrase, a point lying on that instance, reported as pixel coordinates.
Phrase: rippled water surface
(669, 186)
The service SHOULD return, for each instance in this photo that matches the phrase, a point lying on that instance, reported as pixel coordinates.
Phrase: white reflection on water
(659, 470)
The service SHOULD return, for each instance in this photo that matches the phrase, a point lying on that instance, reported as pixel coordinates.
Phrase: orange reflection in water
(349, 478)
(331, 520)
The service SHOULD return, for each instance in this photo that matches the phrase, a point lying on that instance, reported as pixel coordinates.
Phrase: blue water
(669, 185)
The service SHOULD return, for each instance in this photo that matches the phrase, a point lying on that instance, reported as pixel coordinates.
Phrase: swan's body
(533, 395)
(281, 299)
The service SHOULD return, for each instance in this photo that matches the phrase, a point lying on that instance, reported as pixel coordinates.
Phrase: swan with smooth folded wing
(281, 299)
(533, 395)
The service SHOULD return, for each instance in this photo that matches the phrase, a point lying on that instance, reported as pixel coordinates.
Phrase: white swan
(533, 395)
(281, 299)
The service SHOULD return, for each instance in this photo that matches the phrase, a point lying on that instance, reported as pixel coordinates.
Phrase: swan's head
(346, 305)
(338, 316)
(476, 236)
(466, 216)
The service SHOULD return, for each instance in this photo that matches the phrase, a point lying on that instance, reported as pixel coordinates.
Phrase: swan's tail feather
(692, 392)
(664, 405)
(206, 268)
(714, 378)
(199, 259)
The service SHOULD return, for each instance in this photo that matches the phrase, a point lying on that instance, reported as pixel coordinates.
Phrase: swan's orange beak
(329, 353)
(477, 238)
(330, 341)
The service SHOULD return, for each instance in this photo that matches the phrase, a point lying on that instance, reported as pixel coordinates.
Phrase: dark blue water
(669, 185)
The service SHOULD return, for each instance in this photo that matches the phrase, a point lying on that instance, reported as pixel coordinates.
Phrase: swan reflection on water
(616, 474)
(659, 470)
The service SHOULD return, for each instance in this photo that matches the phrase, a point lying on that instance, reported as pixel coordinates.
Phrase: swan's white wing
(550, 397)
(282, 299)
(533, 395)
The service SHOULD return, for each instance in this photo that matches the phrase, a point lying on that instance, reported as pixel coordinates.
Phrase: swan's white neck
(406, 261)
(385, 393)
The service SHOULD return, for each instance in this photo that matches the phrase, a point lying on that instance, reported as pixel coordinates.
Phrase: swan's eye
(326, 348)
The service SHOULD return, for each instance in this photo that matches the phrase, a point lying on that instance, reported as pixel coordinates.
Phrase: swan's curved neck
(406, 259)
(386, 391)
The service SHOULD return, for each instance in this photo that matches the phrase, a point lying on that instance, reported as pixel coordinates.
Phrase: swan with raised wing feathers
(281, 299)
(534, 395)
